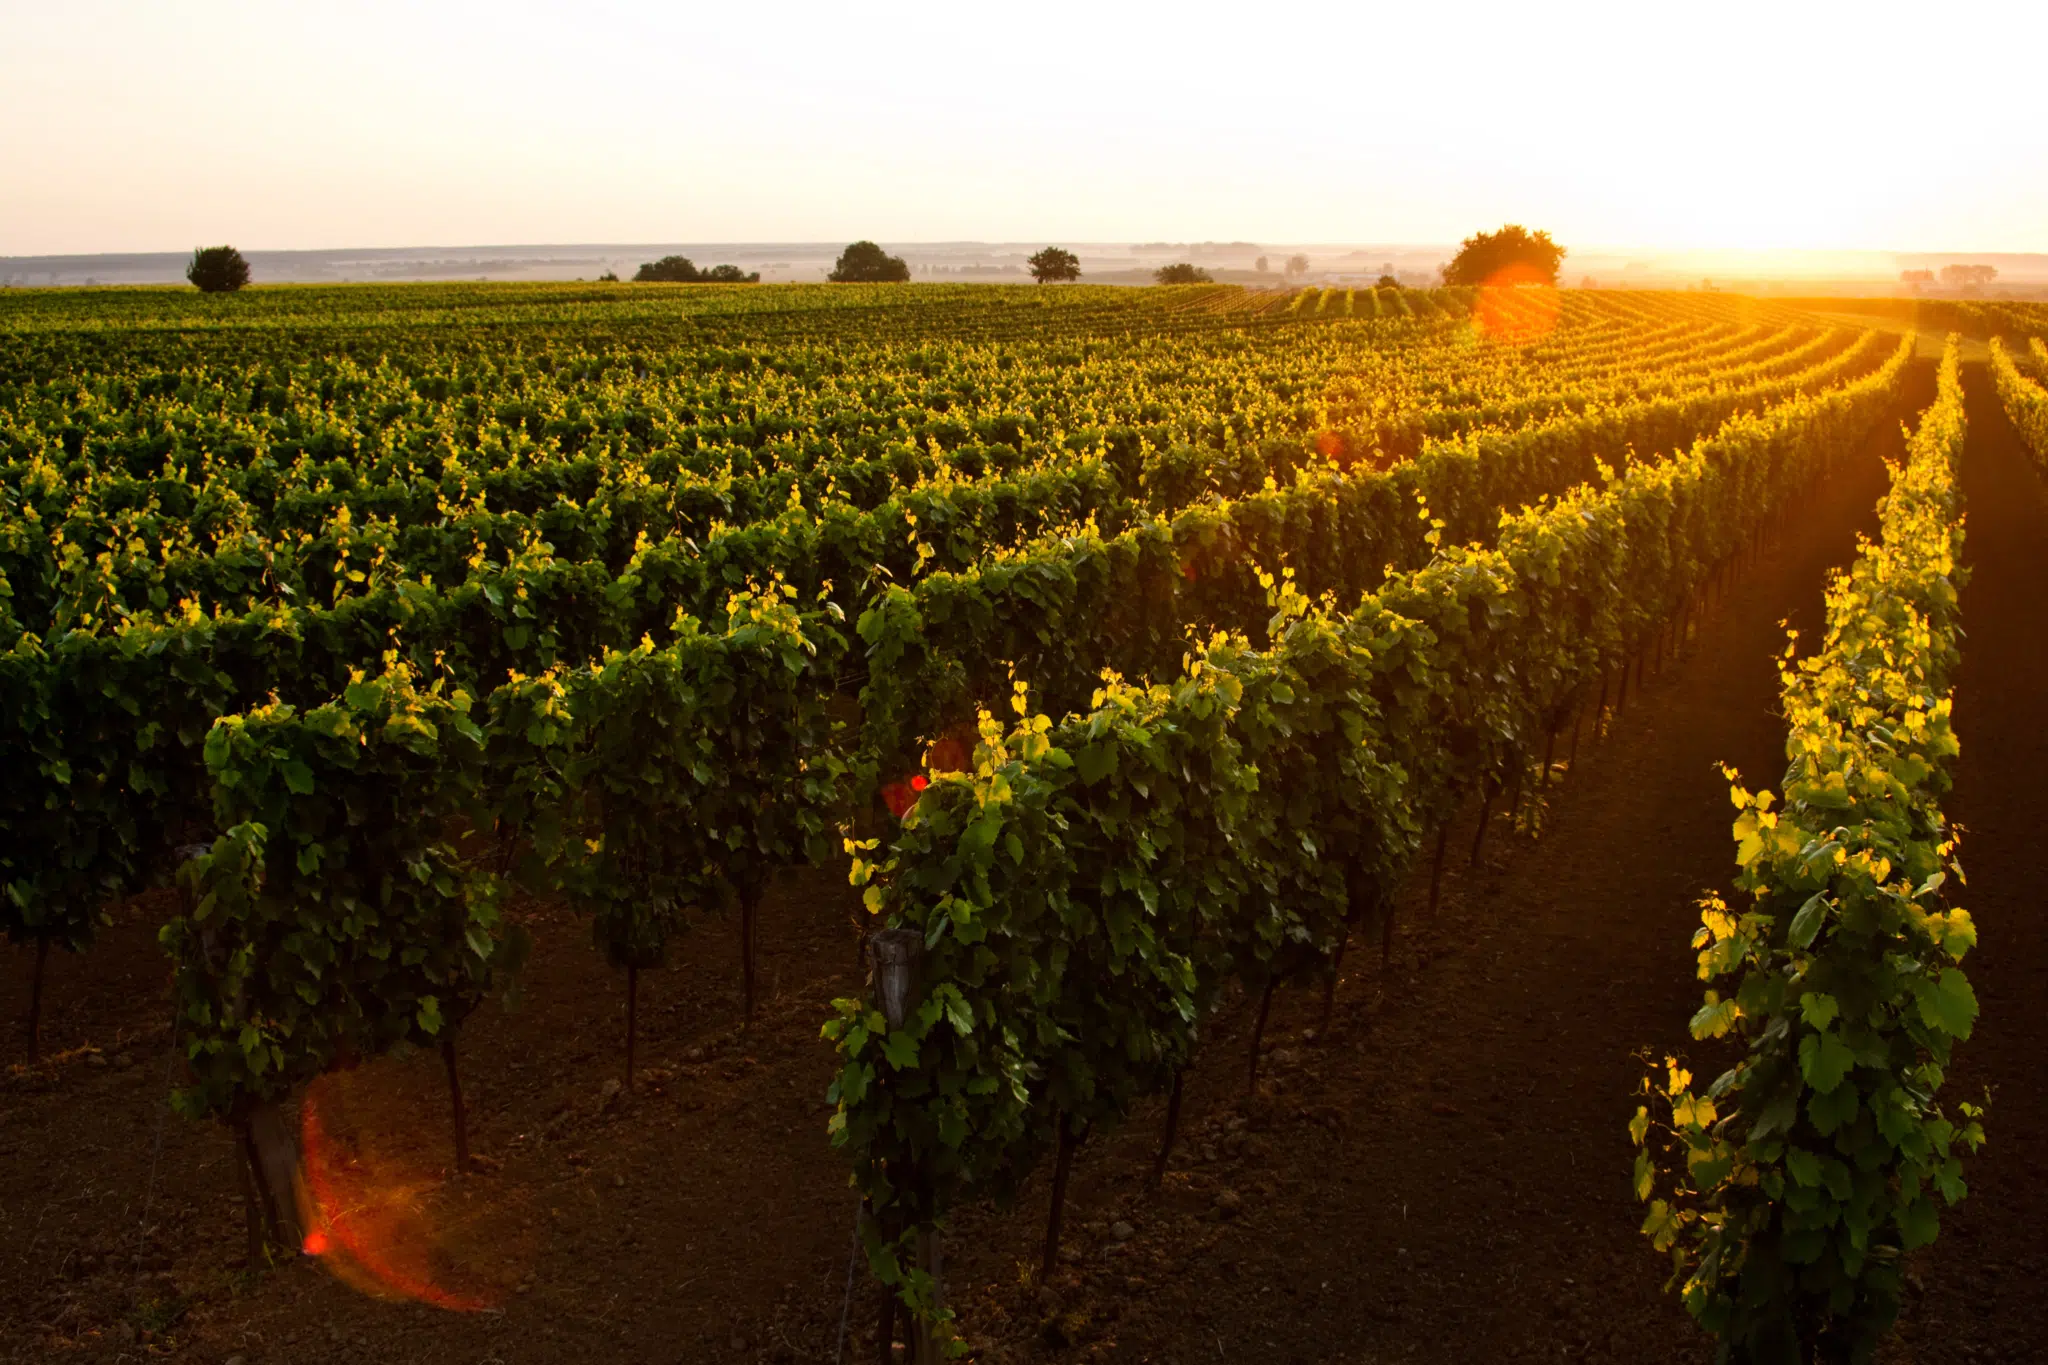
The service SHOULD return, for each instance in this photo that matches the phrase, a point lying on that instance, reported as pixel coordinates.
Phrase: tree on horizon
(865, 263)
(1514, 255)
(1181, 272)
(217, 269)
(1055, 265)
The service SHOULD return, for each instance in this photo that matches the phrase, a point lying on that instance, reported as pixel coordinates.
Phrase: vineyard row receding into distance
(1136, 645)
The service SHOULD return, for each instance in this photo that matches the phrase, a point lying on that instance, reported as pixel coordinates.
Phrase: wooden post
(749, 898)
(461, 1115)
(1436, 871)
(1171, 1128)
(272, 1158)
(923, 1345)
(1251, 1080)
(885, 1332)
(1062, 1165)
(35, 1002)
(632, 1009)
(1485, 816)
(896, 956)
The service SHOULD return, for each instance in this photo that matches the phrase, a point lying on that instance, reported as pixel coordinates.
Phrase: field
(1283, 724)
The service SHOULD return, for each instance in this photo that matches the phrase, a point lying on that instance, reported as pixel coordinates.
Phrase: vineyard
(1082, 705)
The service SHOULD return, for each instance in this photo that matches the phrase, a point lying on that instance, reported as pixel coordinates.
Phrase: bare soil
(1443, 1177)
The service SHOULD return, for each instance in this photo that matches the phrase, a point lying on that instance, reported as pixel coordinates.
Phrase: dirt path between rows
(1444, 1178)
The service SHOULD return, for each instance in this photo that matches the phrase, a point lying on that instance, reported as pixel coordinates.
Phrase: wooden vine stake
(1251, 1079)
(459, 1114)
(632, 1011)
(35, 1002)
(1170, 1129)
(749, 902)
(1063, 1165)
(1485, 817)
(896, 955)
(1436, 871)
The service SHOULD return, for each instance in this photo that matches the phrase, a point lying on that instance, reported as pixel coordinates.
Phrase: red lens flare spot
(384, 1216)
(1518, 305)
(898, 797)
(952, 754)
(919, 783)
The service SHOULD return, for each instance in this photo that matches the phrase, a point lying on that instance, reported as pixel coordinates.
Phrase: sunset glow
(1611, 124)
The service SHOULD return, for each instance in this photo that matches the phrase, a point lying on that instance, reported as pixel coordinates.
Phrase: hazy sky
(129, 126)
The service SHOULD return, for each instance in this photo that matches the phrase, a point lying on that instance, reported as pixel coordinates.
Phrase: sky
(128, 125)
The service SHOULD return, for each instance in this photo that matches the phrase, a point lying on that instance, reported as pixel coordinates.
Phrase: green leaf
(1947, 1003)
(901, 1050)
(1807, 922)
(1824, 1059)
(1919, 1224)
(1818, 1009)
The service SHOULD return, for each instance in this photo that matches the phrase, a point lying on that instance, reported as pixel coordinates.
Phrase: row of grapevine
(1788, 1191)
(368, 752)
(1080, 893)
(534, 610)
(2025, 400)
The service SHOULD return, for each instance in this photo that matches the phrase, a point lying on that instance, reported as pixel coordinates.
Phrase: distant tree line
(680, 270)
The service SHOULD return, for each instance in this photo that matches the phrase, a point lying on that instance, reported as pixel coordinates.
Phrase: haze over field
(127, 127)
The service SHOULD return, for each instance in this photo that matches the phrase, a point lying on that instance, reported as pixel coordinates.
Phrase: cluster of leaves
(1086, 888)
(1787, 1191)
(658, 780)
(338, 915)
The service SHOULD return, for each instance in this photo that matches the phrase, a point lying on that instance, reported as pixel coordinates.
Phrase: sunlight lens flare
(380, 1213)
(1517, 305)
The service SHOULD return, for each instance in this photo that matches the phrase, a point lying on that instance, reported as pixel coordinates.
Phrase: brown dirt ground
(1445, 1177)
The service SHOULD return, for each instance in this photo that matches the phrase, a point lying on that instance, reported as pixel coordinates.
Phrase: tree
(1297, 264)
(1054, 265)
(680, 270)
(1180, 272)
(1916, 277)
(1388, 282)
(1513, 255)
(1260, 265)
(217, 269)
(1964, 276)
(866, 263)
(668, 270)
